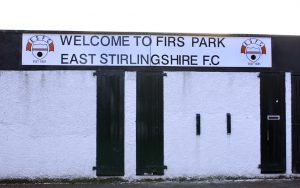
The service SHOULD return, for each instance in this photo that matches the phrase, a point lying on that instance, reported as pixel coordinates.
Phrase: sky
(173, 16)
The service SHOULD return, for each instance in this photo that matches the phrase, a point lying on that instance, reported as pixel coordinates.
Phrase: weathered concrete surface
(228, 184)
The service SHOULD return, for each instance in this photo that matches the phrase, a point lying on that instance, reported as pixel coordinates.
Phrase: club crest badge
(253, 49)
(40, 45)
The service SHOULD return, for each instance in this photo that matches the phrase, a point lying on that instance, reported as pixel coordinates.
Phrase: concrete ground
(220, 184)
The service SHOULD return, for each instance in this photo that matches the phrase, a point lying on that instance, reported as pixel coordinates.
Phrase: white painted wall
(47, 124)
(213, 153)
(288, 111)
(130, 124)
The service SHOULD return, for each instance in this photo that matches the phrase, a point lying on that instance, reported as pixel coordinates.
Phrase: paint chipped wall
(48, 124)
(214, 152)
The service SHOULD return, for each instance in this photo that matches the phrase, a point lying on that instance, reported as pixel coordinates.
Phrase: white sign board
(145, 50)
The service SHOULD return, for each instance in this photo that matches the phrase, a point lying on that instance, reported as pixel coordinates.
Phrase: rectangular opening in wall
(110, 123)
(149, 122)
(273, 144)
(228, 118)
(198, 124)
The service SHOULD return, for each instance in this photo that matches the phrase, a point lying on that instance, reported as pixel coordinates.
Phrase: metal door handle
(273, 117)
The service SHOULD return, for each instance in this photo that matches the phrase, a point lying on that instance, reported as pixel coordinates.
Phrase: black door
(272, 101)
(110, 124)
(149, 122)
(296, 123)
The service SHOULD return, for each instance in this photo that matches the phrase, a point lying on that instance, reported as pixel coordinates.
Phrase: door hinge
(151, 167)
(94, 168)
(108, 73)
(259, 166)
(154, 73)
